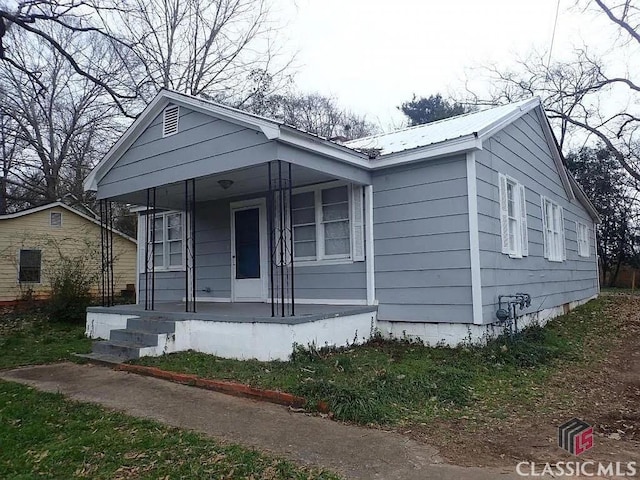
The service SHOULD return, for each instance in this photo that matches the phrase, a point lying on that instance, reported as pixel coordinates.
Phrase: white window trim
(556, 209)
(18, 272)
(51, 219)
(143, 244)
(585, 250)
(322, 259)
(521, 234)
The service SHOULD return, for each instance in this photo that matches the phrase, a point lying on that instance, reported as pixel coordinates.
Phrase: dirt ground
(605, 393)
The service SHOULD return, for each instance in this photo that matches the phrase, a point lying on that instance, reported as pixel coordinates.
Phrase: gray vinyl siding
(521, 151)
(203, 145)
(213, 265)
(421, 234)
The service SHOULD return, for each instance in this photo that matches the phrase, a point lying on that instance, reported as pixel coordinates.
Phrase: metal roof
(441, 130)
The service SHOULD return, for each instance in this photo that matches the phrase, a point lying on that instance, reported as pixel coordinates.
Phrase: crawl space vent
(170, 120)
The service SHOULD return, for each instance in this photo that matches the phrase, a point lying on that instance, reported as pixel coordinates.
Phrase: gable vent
(170, 120)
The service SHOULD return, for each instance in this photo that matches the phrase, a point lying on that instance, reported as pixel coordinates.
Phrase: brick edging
(230, 388)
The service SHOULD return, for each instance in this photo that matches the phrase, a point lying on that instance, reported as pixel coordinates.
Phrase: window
(327, 223)
(30, 266)
(553, 231)
(168, 241)
(582, 233)
(170, 120)
(513, 218)
(55, 219)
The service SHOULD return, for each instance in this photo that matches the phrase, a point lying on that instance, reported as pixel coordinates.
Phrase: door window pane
(247, 243)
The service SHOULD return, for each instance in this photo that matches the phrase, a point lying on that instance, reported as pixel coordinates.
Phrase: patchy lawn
(45, 436)
(483, 406)
(29, 338)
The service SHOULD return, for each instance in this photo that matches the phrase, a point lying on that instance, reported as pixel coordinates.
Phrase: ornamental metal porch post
(190, 244)
(279, 215)
(150, 250)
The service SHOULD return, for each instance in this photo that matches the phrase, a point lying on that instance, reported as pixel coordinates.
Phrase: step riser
(141, 338)
(151, 326)
(119, 351)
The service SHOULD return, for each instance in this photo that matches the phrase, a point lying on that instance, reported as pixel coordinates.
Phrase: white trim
(66, 207)
(595, 249)
(474, 239)
(261, 204)
(165, 250)
(429, 152)
(369, 245)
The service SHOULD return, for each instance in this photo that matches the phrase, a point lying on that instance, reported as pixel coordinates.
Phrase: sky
(374, 54)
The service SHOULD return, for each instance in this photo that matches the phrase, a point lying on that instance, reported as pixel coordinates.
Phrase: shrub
(71, 281)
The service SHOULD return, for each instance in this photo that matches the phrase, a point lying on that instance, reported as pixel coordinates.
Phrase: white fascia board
(498, 125)
(327, 148)
(437, 150)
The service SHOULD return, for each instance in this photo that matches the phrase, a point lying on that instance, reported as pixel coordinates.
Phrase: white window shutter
(545, 237)
(587, 242)
(357, 223)
(523, 221)
(562, 234)
(504, 212)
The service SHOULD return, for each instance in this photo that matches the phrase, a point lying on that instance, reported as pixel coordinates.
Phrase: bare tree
(221, 49)
(84, 20)
(588, 93)
(315, 113)
(62, 129)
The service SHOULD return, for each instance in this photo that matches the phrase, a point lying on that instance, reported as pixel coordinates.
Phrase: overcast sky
(373, 54)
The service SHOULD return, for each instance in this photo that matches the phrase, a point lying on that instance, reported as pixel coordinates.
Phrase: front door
(248, 251)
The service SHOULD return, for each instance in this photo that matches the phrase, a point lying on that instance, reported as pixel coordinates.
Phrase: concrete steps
(142, 335)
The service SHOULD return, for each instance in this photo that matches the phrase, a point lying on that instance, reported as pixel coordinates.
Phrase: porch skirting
(245, 338)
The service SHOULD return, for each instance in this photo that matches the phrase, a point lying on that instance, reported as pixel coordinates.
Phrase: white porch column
(369, 253)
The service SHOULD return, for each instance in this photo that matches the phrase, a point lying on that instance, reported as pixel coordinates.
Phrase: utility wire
(553, 35)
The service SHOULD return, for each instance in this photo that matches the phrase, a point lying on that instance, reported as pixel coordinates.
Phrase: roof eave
(437, 150)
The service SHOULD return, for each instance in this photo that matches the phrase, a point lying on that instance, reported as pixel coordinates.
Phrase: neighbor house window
(30, 266)
(582, 233)
(168, 241)
(513, 217)
(327, 223)
(55, 219)
(553, 230)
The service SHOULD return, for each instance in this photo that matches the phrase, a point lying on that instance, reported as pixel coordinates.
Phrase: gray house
(254, 235)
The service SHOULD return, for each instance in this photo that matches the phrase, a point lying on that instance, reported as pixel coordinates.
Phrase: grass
(29, 338)
(397, 382)
(45, 436)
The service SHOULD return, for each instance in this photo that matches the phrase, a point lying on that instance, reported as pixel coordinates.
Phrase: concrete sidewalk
(354, 452)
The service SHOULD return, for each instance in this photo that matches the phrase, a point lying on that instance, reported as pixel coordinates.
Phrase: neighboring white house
(416, 232)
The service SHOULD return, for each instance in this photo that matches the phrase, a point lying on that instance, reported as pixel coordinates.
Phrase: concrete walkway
(354, 452)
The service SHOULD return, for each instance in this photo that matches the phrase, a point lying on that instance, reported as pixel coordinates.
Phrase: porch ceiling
(246, 182)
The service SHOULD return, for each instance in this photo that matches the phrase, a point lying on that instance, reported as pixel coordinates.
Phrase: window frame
(582, 239)
(521, 239)
(554, 246)
(321, 258)
(39, 282)
(165, 242)
(51, 214)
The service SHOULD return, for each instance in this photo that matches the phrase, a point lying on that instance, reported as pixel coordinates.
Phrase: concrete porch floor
(237, 312)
